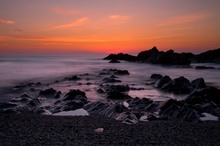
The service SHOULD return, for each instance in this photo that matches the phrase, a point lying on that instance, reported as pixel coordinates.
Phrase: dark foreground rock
(29, 129)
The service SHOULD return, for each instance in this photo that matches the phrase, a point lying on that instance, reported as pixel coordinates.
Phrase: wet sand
(31, 129)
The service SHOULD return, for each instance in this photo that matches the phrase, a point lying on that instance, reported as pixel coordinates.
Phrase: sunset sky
(108, 26)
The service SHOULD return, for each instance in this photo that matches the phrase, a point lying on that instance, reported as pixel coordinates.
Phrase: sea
(15, 69)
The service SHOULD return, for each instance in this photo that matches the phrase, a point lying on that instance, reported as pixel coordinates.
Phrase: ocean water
(47, 68)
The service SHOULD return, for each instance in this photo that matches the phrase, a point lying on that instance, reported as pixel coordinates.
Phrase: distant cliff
(154, 56)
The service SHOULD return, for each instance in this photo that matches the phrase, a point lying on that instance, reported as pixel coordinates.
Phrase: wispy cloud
(76, 23)
(63, 11)
(3, 38)
(183, 19)
(119, 17)
(8, 22)
(62, 39)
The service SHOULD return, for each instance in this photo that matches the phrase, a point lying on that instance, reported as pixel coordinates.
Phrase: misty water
(46, 69)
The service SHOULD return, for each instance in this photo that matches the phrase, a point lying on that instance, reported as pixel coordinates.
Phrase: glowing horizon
(108, 26)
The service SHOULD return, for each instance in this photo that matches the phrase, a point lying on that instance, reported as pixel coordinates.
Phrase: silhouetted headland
(154, 56)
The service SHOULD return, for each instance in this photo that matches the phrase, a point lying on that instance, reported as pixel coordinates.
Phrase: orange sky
(108, 26)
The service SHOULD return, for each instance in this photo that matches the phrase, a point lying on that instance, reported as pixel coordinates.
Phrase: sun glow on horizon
(108, 26)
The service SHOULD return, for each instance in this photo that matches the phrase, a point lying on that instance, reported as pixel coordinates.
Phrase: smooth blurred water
(15, 69)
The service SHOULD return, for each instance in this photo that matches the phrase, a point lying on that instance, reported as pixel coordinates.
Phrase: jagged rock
(121, 72)
(156, 76)
(179, 85)
(117, 95)
(111, 80)
(34, 102)
(211, 56)
(121, 56)
(58, 94)
(139, 104)
(115, 88)
(48, 92)
(203, 96)
(163, 81)
(104, 109)
(174, 110)
(72, 94)
(127, 118)
(114, 61)
(72, 78)
(198, 83)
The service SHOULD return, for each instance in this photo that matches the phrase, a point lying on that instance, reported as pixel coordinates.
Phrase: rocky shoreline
(201, 102)
(62, 112)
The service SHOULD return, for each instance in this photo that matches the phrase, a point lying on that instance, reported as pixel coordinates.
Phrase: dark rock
(148, 56)
(72, 105)
(111, 80)
(72, 78)
(72, 94)
(58, 94)
(204, 67)
(156, 76)
(163, 81)
(138, 103)
(165, 58)
(121, 72)
(48, 92)
(114, 61)
(115, 88)
(34, 102)
(167, 104)
(95, 108)
(40, 110)
(198, 83)
(132, 88)
(127, 118)
(117, 95)
(211, 56)
(5, 105)
(174, 110)
(203, 96)
(120, 56)
(179, 85)
(104, 109)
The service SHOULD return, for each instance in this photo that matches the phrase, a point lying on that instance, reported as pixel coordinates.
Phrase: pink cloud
(76, 23)
(119, 17)
(183, 19)
(62, 11)
(8, 22)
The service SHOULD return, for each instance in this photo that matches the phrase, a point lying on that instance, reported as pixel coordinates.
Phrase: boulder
(72, 94)
(111, 80)
(48, 92)
(117, 95)
(179, 85)
(72, 78)
(121, 72)
(163, 81)
(115, 88)
(156, 76)
(175, 110)
(203, 96)
(198, 83)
